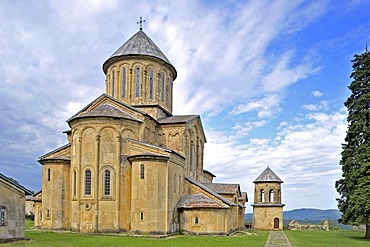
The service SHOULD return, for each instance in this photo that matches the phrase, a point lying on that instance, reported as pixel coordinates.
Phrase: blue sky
(268, 78)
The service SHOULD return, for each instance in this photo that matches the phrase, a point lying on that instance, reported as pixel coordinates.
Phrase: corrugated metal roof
(268, 176)
(199, 201)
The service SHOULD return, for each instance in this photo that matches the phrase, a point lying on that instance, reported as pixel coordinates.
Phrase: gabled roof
(139, 44)
(210, 173)
(68, 145)
(107, 108)
(268, 176)
(199, 201)
(15, 183)
(177, 119)
(213, 193)
(224, 188)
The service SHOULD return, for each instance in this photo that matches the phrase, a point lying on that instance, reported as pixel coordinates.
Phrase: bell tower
(139, 74)
(267, 207)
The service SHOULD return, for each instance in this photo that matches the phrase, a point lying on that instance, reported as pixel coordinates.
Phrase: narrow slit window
(196, 220)
(113, 78)
(49, 174)
(107, 182)
(87, 182)
(142, 171)
(162, 91)
(47, 213)
(141, 215)
(123, 82)
(74, 183)
(137, 82)
(151, 84)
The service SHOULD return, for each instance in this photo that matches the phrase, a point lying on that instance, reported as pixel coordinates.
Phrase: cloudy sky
(268, 78)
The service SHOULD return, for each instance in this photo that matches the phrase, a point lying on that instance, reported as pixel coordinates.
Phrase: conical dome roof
(268, 176)
(138, 44)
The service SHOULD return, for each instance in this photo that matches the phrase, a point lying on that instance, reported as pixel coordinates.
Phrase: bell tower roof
(138, 44)
(268, 176)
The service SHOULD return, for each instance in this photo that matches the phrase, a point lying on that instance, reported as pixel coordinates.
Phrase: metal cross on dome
(141, 23)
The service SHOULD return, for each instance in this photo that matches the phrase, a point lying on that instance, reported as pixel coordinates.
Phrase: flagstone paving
(277, 239)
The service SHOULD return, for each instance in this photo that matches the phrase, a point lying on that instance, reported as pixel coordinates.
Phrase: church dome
(139, 44)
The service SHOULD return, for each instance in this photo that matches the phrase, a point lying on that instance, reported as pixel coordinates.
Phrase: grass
(258, 238)
(316, 238)
(49, 238)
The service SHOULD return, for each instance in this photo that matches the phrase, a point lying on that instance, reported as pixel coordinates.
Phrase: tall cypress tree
(354, 186)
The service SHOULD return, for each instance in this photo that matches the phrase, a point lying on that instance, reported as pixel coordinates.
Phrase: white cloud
(266, 106)
(317, 93)
(304, 154)
(312, 107)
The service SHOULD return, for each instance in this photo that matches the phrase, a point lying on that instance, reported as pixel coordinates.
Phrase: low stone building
(30, 204)
(12, 209)
(295, 225)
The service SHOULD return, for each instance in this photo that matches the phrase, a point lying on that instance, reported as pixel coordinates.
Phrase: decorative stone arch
(137, 79)
(107, 186)
(262, 195)
(88, 182)
(123, 80)
(271, 195)
(151, 82)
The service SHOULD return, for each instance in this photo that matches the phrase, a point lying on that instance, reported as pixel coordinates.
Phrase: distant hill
(306, 214)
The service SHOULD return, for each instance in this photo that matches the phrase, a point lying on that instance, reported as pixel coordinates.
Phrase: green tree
(354, 186)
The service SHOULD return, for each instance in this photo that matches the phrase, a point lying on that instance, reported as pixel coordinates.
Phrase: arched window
(196, 220)
(271, 195)
(162, 89)
(137, 82)
(151, 84)
(87, 182)
(113, 78)
(169, 98)
(142, 171)
(74, 183)
(3, 216)
(107, 182)
(123, 82)
(262, 199)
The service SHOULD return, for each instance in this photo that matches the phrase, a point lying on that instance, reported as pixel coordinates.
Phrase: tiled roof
(223, 188)
(106, 110)
(177, 119)
(199, 201)
(209, 190)
(268, 176)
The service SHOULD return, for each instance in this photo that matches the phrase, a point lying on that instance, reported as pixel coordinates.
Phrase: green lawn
(327, 238)
(48, 238)
(257, 238)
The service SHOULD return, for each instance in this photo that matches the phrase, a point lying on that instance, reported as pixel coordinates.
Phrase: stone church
(132, 166)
